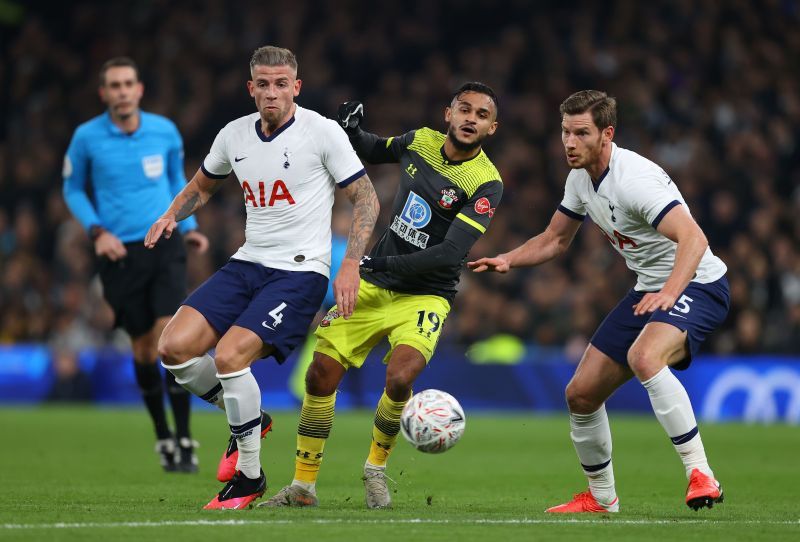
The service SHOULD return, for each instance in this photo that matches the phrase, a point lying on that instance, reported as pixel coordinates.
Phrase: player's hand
(108, 245)
(197, 241)
(163, 227)
(653, 301)
(345, 287)
(350, 115)
(498, 264)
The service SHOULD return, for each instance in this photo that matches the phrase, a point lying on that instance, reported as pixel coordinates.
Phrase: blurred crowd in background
(709, 90)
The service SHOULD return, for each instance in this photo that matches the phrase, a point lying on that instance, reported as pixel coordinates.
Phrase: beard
(463, 146)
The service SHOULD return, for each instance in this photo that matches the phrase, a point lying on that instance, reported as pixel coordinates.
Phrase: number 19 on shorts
(428, 323)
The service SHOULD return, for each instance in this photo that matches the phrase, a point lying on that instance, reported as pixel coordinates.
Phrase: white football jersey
(627, 203)
(287, 180)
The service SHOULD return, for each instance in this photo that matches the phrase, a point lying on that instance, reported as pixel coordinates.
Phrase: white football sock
(591, 436)
(243, 407)
(199, 376)
(674, 411)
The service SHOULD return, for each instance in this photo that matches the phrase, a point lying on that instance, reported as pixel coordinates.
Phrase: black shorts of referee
(145, 285)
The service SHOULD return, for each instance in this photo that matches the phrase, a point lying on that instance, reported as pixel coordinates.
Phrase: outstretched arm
(194, 195)
(449, 253)
(365, 213)
(553, 241)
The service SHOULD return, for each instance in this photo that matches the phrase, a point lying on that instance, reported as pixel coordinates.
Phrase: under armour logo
(411, 169)
(613, 218)
(286, 154)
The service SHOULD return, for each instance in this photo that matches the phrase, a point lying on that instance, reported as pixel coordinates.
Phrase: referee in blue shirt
(121, 170)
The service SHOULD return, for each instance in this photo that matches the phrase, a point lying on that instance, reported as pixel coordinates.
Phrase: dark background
(708, 90)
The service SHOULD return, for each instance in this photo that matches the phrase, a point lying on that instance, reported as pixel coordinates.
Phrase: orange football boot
(584, 502)
(703, 491)
(239, 493)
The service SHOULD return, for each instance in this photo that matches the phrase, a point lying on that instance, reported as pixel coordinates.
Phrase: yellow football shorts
(413, 320)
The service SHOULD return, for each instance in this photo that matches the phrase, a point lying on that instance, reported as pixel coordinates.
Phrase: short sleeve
(217, 164)
(478, 210)
(651, 196)
(572, 205)
(338, 155)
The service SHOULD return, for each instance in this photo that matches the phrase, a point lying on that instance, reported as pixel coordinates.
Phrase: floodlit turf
(91, 474)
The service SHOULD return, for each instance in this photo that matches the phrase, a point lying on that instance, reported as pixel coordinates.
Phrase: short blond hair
(270, 55)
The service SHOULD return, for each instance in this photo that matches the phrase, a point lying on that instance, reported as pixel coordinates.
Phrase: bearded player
(680, 297)
(448, 194)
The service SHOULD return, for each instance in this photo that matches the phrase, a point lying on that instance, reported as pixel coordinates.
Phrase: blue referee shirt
(134, 177)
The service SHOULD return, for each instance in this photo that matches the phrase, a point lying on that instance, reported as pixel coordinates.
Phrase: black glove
(369, 265)
(350, 115)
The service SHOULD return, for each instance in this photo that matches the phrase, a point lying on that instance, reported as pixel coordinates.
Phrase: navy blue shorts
(276, 305)
(700, 309)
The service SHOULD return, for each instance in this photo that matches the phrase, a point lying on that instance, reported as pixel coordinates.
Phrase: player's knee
(170, 349)
(641, 361)
(399, 383)
(579, 399)
(229, 360)
(318, 380)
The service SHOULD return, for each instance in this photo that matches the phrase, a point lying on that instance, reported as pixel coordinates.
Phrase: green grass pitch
(91, 474)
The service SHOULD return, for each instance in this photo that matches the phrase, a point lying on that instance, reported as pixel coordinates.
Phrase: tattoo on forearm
(189, 206)
(365, 213)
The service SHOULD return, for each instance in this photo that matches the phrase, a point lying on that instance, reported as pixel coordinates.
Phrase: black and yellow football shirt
(438, 200)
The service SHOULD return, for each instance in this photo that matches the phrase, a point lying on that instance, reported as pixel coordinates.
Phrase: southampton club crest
(332, 315)
(449, 197)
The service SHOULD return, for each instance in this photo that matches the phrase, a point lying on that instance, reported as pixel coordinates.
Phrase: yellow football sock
(384, 432)
(316, 420)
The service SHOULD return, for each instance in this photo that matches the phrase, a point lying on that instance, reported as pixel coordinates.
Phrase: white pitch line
(478, 521)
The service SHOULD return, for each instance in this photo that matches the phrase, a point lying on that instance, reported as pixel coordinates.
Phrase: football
(432, 421)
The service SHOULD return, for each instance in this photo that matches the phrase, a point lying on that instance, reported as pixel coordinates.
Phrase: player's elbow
(559, 245)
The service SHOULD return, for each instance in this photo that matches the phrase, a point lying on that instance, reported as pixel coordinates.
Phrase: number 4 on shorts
(277, 316)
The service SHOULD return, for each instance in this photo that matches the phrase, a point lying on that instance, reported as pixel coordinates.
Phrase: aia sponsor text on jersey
(277, 192)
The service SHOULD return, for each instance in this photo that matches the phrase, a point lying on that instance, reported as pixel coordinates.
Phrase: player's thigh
(223, 297)
(659, 345)
(187, 335)
(596, 378)
(282, 311)
(700, 309)
(350, 341)
(416, 321)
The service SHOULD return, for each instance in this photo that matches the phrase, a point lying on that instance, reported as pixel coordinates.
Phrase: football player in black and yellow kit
(448, 194)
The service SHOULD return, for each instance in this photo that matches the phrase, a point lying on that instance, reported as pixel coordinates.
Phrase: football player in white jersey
(287, 160)
(681, 295)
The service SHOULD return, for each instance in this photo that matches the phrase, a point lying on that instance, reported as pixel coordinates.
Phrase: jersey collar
(447, 161)
(596, 184)
(274, 134)
(116, 130)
